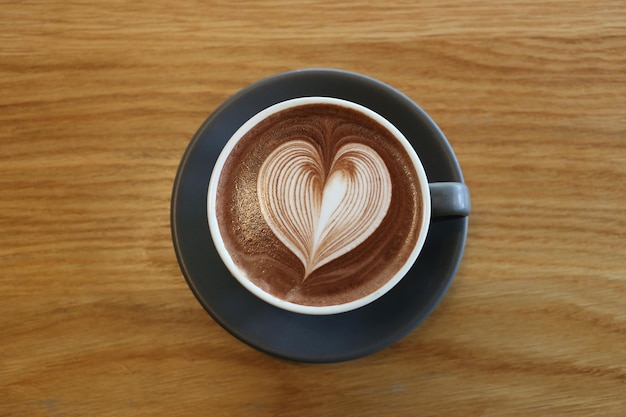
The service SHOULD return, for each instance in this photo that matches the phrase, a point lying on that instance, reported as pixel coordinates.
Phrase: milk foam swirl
(321, 213)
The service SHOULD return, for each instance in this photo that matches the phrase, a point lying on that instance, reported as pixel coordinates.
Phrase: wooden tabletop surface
(98, 101)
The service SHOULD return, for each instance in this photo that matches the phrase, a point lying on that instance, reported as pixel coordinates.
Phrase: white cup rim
(240, 275)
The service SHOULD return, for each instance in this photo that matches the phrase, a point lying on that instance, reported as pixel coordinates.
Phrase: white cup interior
(240, 274)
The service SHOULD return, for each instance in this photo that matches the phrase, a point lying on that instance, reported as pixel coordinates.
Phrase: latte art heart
(321, 214)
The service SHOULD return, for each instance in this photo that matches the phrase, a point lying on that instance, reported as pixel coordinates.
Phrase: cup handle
(449, 199)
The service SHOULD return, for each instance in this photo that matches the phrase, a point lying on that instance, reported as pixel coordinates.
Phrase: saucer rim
(214, 118)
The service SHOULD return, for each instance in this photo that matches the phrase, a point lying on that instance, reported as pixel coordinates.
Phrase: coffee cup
(319, 205)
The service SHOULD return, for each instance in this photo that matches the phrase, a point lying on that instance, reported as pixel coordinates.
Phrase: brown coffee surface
(277, 262)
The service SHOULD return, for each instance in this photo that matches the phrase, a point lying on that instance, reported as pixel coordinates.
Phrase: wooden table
(98, 101)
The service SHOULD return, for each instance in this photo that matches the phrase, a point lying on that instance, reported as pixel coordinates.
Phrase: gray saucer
(290, 335)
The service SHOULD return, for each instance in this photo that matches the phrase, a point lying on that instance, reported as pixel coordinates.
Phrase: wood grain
(98, 101)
